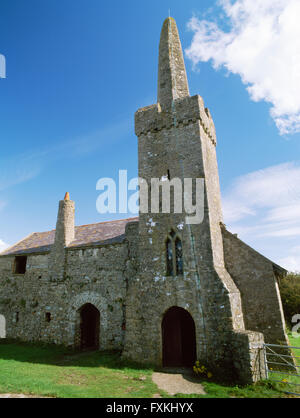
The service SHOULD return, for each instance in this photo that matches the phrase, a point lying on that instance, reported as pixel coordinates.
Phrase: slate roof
(85, 235)
(280, 270)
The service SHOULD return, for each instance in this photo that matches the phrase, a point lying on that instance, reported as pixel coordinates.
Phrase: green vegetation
(56, 372)
(290, 295)
(288, 378)
(295, 342)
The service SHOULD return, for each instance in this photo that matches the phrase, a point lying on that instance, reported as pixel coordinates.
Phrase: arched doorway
(2, 326)
(89, 327)
(178, 338)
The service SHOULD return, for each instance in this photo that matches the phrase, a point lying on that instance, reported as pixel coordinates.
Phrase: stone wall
(254, 276)
(248, 362)
(93, 275)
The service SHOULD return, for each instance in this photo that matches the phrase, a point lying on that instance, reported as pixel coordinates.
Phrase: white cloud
(292, 262)
(3, 246)
(262, 46)
(263, 207)
(276, 188)
(284, 213)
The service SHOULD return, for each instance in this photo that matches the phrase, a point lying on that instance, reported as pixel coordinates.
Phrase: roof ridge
(253, 249)
(76, 226)
(106, 222)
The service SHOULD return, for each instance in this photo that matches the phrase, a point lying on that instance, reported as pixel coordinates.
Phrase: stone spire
(172, 79)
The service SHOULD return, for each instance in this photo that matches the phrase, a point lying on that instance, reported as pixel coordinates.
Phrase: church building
(160, 290)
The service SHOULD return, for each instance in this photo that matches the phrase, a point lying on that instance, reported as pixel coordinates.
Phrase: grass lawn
(57, 372)
(294, 342)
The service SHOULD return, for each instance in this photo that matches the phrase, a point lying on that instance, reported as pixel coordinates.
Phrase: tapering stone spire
(172, 79)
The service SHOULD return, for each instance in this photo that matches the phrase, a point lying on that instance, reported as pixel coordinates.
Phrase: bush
(201, 370)
(290, 295)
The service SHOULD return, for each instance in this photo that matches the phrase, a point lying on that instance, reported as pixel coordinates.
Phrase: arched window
(169, 257)
(174, 255)
(179, 260)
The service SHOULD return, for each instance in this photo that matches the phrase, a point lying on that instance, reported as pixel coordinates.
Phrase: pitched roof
(85, 235)
(280, 270)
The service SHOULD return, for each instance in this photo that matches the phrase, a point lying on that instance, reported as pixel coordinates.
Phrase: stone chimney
(64, 235)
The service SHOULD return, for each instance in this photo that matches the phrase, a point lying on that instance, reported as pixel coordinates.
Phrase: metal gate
(282, 363)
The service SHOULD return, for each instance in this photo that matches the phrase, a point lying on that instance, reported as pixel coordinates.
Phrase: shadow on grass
(60, 356)
(50, 354)
(39, 353)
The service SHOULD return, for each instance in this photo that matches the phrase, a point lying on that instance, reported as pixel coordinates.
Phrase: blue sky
(78, 70)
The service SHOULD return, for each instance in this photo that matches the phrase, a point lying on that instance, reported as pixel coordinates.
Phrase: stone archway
(2, 326)
(178, 338)
(74, 318)
(89, 327)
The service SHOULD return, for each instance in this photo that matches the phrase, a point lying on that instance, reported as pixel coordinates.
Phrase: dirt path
(178, 381)
(171, 381)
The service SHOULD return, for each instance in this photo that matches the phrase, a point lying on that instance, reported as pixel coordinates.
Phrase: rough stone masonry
(161, 291)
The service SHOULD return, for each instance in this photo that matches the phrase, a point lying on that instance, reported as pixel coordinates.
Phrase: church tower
(183, 305)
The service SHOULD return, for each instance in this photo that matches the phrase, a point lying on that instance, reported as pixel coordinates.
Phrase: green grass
(56, 372)
(294, 342)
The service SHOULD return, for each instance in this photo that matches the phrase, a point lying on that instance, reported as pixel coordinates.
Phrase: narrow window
(20, 265)
(179, 260)
(169, 175)
(17, 317)
(169, 258)
(174, 254)
(48, 316)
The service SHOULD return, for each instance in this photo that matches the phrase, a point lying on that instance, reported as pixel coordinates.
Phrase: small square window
(20, 265)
